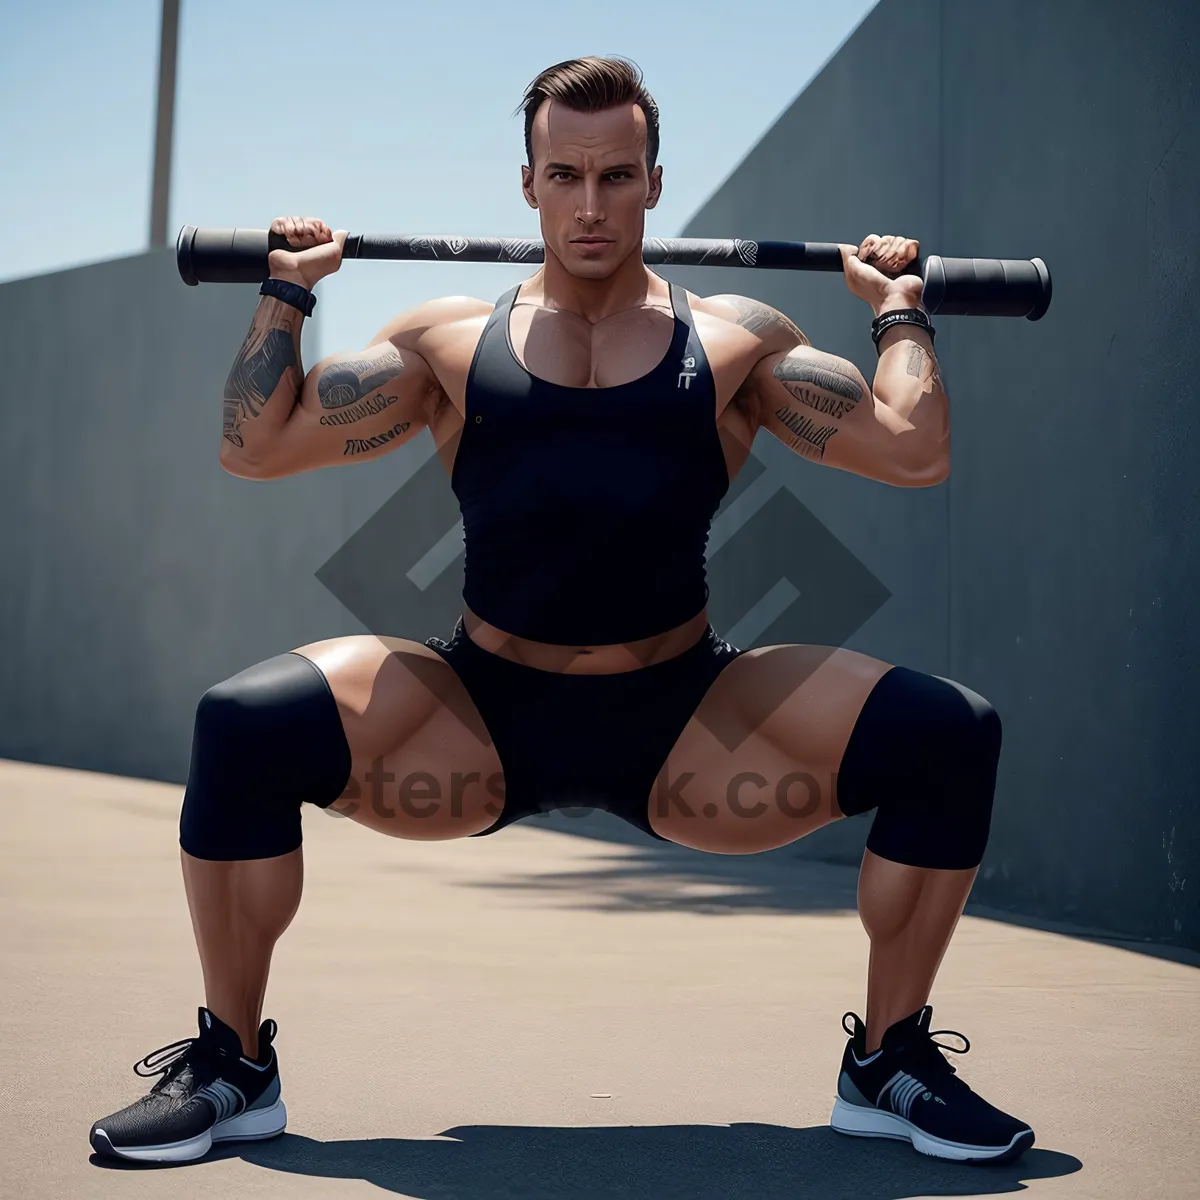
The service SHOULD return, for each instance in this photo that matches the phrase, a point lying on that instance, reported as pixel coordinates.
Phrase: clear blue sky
(376, 116)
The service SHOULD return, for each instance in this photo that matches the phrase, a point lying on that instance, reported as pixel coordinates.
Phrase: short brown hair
(592, 85)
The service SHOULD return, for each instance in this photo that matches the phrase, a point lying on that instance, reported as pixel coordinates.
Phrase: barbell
(977, 287)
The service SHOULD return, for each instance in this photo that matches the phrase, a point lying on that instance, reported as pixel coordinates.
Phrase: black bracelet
(900, 316)
(290, 293)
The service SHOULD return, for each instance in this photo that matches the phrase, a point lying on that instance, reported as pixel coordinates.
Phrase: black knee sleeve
(924, 751)
(264, 741)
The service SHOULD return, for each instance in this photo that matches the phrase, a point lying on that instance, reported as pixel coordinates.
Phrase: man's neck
(631, 285)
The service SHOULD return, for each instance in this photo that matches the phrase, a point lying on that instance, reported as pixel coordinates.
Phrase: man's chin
(592, 262)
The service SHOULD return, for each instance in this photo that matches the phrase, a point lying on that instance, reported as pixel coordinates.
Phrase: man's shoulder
(446, 310)
(446, 315)
(766, 323)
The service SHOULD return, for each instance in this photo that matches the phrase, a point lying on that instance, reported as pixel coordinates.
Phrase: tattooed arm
(267, 368)
(349, 408)
(821, 406)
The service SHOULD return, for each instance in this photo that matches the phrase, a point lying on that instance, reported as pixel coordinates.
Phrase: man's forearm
(266, 378)
(908, 382)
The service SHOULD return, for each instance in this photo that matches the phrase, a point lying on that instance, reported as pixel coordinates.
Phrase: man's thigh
(423, 764)
(755, 768)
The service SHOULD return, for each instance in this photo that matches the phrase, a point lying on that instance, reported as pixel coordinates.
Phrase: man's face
(590, 186)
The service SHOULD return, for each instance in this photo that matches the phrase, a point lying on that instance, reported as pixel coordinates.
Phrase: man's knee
(264, 741)
(924, 751)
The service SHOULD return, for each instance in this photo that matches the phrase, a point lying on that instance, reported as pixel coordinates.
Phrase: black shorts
(597, 741)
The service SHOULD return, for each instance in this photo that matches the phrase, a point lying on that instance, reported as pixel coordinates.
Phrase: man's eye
(561, 175)
(619, 175)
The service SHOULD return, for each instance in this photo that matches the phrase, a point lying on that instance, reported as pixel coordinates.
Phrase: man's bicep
(342, 382)
(353, 407)
(820, 406)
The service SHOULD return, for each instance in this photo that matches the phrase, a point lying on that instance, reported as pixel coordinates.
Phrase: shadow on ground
(699, 1162)
(646, 874)
(666, 876)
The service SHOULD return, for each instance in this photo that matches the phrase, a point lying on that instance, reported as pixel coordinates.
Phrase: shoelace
(170, 1055)
(924, 1047)
(928, 1048)
(171, 1062)
(180, 1050)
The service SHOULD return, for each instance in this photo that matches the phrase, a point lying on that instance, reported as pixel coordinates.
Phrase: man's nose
(590, 210)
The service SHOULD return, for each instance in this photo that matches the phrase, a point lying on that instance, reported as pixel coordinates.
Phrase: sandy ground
(563, 1010)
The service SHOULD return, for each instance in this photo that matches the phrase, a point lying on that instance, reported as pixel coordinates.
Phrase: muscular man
(590, 422)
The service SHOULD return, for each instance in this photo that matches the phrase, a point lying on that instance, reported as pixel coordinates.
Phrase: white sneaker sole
(874, 1122)
(251, 1126)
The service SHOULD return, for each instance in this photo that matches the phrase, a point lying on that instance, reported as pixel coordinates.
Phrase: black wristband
(901, 316)
(290, 293)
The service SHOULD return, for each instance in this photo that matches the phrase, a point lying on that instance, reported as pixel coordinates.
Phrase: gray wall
(1056, 571)
(136, 573)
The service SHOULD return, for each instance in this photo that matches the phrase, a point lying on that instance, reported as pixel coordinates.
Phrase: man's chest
(565, 350)
(562, 349)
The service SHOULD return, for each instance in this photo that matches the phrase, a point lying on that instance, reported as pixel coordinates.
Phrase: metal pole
(161, 194)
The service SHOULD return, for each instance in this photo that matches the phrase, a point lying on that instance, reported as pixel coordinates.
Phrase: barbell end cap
(183, 255)
(933, 291)
(1039, 309)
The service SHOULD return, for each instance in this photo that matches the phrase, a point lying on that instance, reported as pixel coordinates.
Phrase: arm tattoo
(824, 371)
(368, 408)
(808, 438)
(264, 357)
(230, 420)
(916, 364)
(758, 318)
(362, 445)
(346, 383)
(825, 384)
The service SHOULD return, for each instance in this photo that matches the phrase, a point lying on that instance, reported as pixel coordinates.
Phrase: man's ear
(655, 187)
(527, 187)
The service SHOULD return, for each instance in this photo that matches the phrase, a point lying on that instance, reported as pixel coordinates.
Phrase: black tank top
(586, 511)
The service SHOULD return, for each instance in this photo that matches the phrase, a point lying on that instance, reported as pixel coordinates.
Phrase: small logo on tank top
(688, 373)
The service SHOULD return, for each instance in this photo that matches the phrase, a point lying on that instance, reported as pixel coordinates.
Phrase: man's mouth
(591, 241)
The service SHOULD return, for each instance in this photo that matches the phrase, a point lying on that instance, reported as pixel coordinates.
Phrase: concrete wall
(136, 572)
(1056, 572)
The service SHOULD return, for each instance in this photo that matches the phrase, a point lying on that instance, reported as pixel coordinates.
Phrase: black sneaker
(210, 1092)
(908, 1090)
